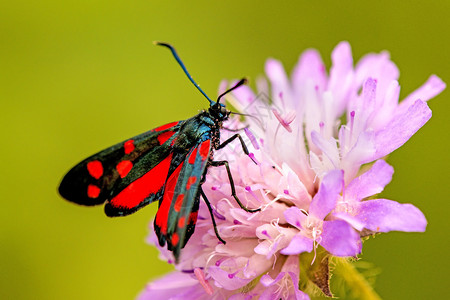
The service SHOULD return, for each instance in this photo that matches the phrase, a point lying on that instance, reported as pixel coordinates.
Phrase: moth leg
(244, 147)
(212, 215)
(233, 190)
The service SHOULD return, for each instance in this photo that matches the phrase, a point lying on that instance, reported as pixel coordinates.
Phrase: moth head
(219, 111)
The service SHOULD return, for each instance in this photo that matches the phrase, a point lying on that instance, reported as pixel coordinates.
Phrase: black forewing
(104, 175)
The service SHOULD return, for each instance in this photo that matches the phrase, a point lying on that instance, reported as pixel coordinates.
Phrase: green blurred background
(78, 76)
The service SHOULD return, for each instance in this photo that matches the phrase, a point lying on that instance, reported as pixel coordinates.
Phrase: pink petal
(369, 93)
(353, 221)
(251, 295)
(340, 239)
(257, 265)
(309, 68)
(173, 285)
(298, 244)
(401, 128)
(382, 215)
(223, 85)
(265, 248)
(273, 239)
(325, 199)
(431, 88)
(295, 188)
(267, 281)
(341, 75)
(387, 106)
(327, 146)
(378, 66)
(245, 99)
(371, 182)
(226, 280)
(362, 152)
(267, 232)
(273, 291)
(294, 216)
(280, 83)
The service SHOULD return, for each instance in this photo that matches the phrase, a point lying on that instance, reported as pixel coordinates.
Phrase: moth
(166, 164)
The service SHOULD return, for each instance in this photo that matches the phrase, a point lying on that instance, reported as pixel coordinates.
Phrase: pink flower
(310, 135)
(336, 236)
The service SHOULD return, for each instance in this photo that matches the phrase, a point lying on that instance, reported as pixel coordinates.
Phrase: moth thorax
(215, 138)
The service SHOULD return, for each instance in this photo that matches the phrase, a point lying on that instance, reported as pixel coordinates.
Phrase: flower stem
(353, 279)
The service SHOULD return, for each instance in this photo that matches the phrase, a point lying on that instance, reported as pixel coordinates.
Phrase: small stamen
(250, 191)
(321, 125)
(275, 223)
(270, 203)
(218, 215)
(281, 98)
(190, 271)
(266, 234)
(219, 261)
(252, 157)
(202, 279)
(288, 118)
(315, 252)
(251, 138)
(317, 239)
(231, 275)
(352, 120)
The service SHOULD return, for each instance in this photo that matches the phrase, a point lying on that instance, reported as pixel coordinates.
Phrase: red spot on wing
(190, 182)
(150, 183)
(181, 222)
(169, 190)
(192, 157)
(178, 203)
(128, 146)
(204, 149)
(93, 191)
(167, 126)
(163, 137)
(175, 239)
(95, 168)
(124, 167)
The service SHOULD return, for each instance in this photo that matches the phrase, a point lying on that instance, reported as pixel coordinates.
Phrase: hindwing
(178, 208)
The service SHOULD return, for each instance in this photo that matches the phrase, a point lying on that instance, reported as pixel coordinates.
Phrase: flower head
(313, 136)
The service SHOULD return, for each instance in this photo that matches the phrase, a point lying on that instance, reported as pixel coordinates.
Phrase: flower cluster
(319, 140)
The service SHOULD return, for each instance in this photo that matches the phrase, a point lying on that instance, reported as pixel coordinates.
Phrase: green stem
(354, 280)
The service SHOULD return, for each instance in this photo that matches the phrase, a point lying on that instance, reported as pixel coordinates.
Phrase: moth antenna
(178, 59)
(241, 82)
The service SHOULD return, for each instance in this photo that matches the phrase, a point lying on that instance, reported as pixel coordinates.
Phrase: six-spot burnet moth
(168, 164)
